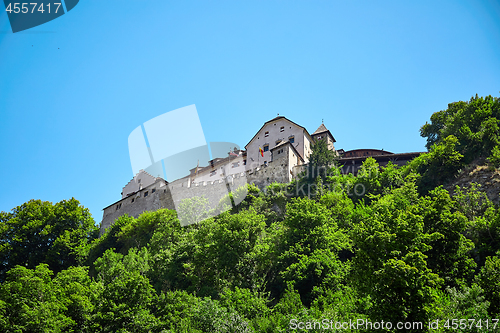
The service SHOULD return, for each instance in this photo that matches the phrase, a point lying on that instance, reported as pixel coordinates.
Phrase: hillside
(482, 173)
(390, 245)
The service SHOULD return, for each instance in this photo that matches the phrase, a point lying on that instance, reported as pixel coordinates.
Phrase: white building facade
(271, 134)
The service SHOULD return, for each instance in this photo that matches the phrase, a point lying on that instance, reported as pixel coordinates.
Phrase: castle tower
(323, 133)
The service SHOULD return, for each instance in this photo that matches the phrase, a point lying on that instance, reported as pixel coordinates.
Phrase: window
(153, 190)
(133, 199)
(236, 164)
(244, 162)
(282, 128)
(292, 139)
(146, 194)
(266, 148)
(138, 180)
(265, 163)
(266, 134)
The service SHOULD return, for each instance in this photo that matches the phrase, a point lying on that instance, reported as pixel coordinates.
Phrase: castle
(278, 152)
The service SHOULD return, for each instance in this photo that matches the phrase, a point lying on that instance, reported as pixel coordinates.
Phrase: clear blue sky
(73, 89)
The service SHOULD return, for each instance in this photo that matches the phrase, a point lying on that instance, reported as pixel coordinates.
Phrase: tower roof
(322, 128)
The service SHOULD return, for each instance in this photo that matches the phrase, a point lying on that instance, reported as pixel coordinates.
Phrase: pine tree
(320, 160)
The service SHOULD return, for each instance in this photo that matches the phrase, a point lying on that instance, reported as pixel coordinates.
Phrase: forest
(404, 250)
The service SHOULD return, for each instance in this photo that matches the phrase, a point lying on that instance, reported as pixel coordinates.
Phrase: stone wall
(276, 171)
(171, 195)
(136, 204)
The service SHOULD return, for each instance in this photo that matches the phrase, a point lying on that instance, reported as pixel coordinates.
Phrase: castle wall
(234, 165)
(171, 195)
(276, 171)
(138, 203)
(214, 191)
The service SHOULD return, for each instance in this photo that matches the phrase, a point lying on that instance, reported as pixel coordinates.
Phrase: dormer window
(266, 134)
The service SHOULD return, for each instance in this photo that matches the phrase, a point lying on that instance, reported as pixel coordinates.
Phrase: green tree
(193, 210)
(109, 240)
(489, 280)
(40, 232)
(29, 302)
(368, 180)
(450, 255)
(211, 317)
(311, 246)
(221, 252)
(438, 166)
(170, 249)
(321, 160)
(78, 295)
(175, 311)
(126, 295)
(390, 265)
(465, 303)
(474, 123)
